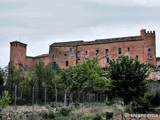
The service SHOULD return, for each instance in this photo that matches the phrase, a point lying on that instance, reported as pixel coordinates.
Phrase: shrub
(142, 104)
(65, 111)
(47, 115)
(155, 100)
(5, 100)
(97, 117)
(21, 101)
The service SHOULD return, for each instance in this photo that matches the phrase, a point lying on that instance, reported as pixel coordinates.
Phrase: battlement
(17, 43)
(144, 32)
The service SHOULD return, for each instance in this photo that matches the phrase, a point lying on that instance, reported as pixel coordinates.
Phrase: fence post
(45, 95)
(15, 97)
(65, 98)
(55, 94)
(33, 99)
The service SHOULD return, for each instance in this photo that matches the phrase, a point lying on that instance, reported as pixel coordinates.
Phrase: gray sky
(40, 23)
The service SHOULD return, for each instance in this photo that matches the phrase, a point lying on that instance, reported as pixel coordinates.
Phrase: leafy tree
(142, 104)
(5, 100)
(1, 81)
(39, 72)
(86, 76)
(14, 78)
(49, 77)
(128, 78)
(44, 76)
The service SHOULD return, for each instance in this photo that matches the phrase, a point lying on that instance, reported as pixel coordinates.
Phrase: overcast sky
(40, 23)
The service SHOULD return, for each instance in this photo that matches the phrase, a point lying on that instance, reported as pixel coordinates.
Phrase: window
(65, 54)
(106, 51)
(78, 60)
(66, 63)
(149, 50)
(97, 52)
(119, 50)
(107, 60)
(86, 52)
(128, 49)
(136, 57)
(78, 54)
(71, 52)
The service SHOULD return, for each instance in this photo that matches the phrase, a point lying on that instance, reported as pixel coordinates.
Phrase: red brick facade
(66, 54)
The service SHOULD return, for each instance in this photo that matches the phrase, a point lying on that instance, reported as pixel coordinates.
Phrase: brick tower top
(18, 54)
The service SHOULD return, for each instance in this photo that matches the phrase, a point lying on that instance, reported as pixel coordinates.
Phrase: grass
(82, 112)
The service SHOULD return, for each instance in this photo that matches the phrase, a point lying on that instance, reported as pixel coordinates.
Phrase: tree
(5, 100)
(128, 78)
(44, 76)
(86, 76)
(14, 78)
(1, 81)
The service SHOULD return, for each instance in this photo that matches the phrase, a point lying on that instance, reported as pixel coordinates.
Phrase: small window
(86, 52)
(106, 51)
(97, 52)
(78, 54)
(66, 63)
(107, 60)
(65, 54)
(119, 50)
(149, 50)
(78, 60)
(137, 57)
(128, 49)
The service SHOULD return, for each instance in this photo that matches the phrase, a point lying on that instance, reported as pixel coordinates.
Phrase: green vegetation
(1, 81)
(4, 100)
(86, 76)
(128, 78)
(124, 78)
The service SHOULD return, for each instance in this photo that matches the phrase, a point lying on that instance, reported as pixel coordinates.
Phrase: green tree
(128, 78)
(5, 100)
(14, 78)
(44, 76)
(1, 81)
(86, 76)
(39, 73)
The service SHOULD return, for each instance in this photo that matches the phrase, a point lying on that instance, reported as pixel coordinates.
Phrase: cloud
(144, 3)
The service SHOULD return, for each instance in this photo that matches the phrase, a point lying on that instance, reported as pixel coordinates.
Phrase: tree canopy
(1, 81)
(128, 78)
(85, 76)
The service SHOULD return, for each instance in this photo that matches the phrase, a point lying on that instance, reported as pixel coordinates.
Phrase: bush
(21, 101)
(155, 100)
(4, 100)
(97, 117)
(65, 111)
(142, 104)
(47, 115)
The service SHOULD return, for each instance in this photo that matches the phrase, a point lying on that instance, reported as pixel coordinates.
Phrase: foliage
(85, 76)
(128, 78)
(65, 111)
(5, 100)
(97, 117)
(142, 103)
(1, 81)
(14, 78)
(155, 100)
(47, 115)
(44, 77)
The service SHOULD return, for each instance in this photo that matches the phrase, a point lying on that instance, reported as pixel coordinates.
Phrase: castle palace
(65, 54)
